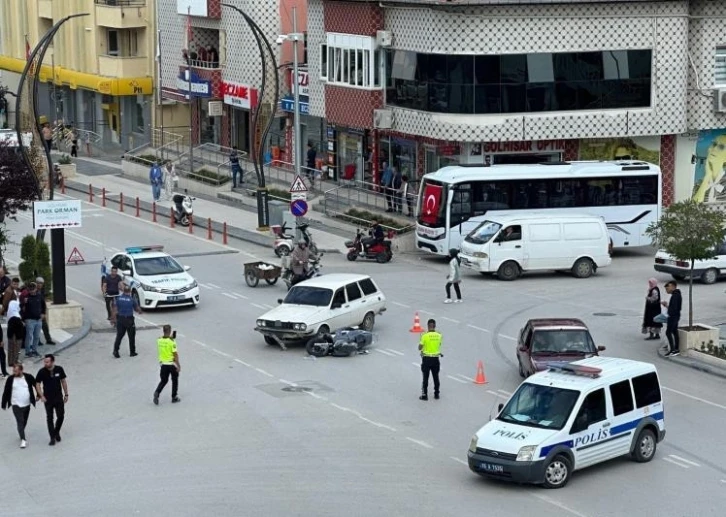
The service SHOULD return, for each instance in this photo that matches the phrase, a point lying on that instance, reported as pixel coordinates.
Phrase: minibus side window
(591, 411)
(622, 397)
(646, 389)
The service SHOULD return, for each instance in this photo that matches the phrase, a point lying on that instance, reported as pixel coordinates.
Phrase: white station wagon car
(321, 305)
(157, 280)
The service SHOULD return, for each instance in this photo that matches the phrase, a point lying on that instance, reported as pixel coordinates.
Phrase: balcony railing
(122, 3)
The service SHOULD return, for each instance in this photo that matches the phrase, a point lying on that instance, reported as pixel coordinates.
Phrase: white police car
(157, 280)
(570, 417)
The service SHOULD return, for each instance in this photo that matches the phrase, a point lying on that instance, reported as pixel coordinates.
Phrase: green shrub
(143, 159)
(64, 160)
(277, 193)
(208, 177)
(364, 217)
(36, 261)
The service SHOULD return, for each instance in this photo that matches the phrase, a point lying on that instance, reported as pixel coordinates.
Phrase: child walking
(454, 276)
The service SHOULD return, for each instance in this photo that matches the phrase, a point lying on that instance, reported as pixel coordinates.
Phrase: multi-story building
(98, 74)
(211, 50)
(425, 83)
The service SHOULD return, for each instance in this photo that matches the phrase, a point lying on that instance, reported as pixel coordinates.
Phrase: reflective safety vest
(167, 349)
(431, 344)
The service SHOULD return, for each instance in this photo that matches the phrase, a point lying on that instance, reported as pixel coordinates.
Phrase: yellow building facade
(99, 73)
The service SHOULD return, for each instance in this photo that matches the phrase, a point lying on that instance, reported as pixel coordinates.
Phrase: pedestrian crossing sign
(298, 185)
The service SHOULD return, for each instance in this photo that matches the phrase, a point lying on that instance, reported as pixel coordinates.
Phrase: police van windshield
(483, 233)
(539, 406)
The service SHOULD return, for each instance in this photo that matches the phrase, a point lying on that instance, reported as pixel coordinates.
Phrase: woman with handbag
(652, 309)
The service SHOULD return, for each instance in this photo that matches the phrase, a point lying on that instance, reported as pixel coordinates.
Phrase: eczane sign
(64, 213)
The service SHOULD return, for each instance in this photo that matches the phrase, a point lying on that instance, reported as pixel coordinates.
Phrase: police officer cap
(39, 280)
(127, 288)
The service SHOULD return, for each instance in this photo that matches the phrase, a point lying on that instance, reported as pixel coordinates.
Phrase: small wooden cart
(254, 273)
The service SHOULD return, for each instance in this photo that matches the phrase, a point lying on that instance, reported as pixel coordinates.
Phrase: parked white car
(708, 271)
(322, 305)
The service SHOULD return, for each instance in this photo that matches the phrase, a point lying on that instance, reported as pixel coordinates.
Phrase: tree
(36, 261)
(689, 231)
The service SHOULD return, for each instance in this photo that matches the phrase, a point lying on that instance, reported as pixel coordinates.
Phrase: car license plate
(492, 467)
(175, 298)
(670, 262)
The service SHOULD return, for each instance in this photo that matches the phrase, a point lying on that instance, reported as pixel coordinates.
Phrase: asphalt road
(279, 433)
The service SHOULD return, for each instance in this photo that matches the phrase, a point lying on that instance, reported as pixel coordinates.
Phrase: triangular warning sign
(298, 185)
(75, 257)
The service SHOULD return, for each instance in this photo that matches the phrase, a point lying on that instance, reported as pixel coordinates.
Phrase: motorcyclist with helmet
(376, 235)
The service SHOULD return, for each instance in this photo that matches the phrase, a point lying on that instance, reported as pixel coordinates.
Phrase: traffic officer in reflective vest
(430, 348)
(124, 307)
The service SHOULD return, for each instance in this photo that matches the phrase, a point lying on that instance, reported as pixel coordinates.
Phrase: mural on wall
(645, 148)
(709, 183)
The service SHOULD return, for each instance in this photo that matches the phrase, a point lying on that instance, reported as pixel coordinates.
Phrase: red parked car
(553, 339)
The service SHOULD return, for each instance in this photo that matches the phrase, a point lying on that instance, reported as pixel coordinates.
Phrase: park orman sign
(64, 213)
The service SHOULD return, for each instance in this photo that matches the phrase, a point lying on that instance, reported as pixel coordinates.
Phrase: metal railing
(171, 150)
(121, 3)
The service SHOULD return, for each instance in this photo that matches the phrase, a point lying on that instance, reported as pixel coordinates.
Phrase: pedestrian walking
(47, 136)
(74, 143)
(454, 276)
(87, 142)
(19, 393)
(312, 154)
(430, 348)
(123, 315)
(169, 364)
(169, 179)
(407, 195)
(33, 310)
(40, 282)
(156, 178)
(396, 184)
(110, 285)
(49, 382)
(652, 309)
(16, 329)
(674, 306)
(235, 166)
(12, 289)
(386, 181)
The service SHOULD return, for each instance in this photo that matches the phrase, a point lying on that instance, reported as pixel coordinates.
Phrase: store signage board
(64, 213)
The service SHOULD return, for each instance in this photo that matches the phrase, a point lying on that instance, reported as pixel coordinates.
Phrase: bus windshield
(483, 233)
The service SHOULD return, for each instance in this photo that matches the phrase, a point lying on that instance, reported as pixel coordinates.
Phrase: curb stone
(71, 341)
(693, 364)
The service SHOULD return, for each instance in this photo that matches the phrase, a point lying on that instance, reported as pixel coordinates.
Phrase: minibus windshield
(483, 233)
(539, 406)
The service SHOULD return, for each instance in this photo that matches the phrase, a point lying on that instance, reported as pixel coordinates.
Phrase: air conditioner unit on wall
(382, 119)
(384, 38)
(719, 100)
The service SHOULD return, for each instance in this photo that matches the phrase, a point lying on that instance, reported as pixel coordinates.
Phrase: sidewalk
(241, 223)
(691, 362)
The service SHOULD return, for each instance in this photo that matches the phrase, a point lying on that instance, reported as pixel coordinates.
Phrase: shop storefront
(399, 152)
(351, 149)
(242, 99)
(438, 156)
(211, 121)
(312, 129)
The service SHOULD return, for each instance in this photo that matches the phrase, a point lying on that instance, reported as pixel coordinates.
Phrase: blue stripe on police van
(619, 429)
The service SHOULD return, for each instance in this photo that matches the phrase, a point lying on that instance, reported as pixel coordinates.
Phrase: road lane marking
(416, 364)
(258, 306)
(508, 337)
(507, 393)
(240, 361)
(200, 343)
(419, 442)
(459, 461)
(693, 397)
(401, 304)
(558, 504)
(267, 306)
(287, 382)
(229, 296)
(181, 335)
(240, 295)
(500, 395)
(456, 379)
(389, 354)
(339, 407)
(395, 352)
(263, 372)
(115, 250)
(85, 239)
(479, 328)
(450, 319)
(674, 462)
(214, 286)
(723, 481)
(315, 395)
(468, 379)
(425, 312)
(684, 460)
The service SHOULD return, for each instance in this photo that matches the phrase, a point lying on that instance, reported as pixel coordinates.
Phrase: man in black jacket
(46, 331)
(33, 311)
(18, 394)
(674, 315)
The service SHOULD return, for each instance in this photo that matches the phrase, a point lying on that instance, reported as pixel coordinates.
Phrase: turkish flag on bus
(431, 203)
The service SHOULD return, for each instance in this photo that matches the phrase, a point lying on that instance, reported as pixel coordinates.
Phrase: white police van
(570, 417)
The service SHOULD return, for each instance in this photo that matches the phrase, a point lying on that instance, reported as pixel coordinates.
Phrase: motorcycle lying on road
(345, 342)
(182, 208)
(285, 242)
(288, 276)
(379, 251)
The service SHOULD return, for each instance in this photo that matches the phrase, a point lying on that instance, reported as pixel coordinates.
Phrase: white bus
(454, 200)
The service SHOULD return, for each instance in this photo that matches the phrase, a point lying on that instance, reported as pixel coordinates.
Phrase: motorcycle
(289, 277)
(285, 242)
(379, 251)
(182, 208)
(345, 342)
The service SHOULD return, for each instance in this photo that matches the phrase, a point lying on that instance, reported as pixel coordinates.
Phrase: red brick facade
(362, 19)
(351, 107)
(214, 9)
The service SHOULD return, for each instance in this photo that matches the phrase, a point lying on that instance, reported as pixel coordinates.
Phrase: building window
(113, 49)
(351, 61)
(123, 43)
(520, 83)
(720, 72)
(305, 47)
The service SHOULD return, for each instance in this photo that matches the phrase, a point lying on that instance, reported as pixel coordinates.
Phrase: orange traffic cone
(480, 377)
(416, 324)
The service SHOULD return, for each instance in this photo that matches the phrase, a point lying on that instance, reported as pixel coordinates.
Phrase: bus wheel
(508, 271)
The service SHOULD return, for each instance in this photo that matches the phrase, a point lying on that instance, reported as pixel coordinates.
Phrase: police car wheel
(135, 296)
(557, 472)
(645, 446)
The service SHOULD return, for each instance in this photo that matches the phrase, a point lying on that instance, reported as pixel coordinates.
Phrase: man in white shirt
(19, 395)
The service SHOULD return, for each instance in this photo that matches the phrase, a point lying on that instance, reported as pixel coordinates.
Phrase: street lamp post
(57, 236)
(263, 213)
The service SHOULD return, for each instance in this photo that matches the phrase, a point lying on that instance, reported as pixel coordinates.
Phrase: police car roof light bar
(141, 249)
(575, 369)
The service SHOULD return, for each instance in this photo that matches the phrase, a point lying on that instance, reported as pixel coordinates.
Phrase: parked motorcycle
(285, 242)
(182, 208)
(288, 276)
(345, 342)
(379, 251)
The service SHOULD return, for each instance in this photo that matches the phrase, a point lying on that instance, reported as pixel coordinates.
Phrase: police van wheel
(645, 446)
(557, 472)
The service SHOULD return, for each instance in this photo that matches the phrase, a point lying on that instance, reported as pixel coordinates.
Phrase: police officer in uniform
(124, 307)
(430, 348)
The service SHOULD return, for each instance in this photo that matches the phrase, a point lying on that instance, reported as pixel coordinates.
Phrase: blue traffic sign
(299, 207)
